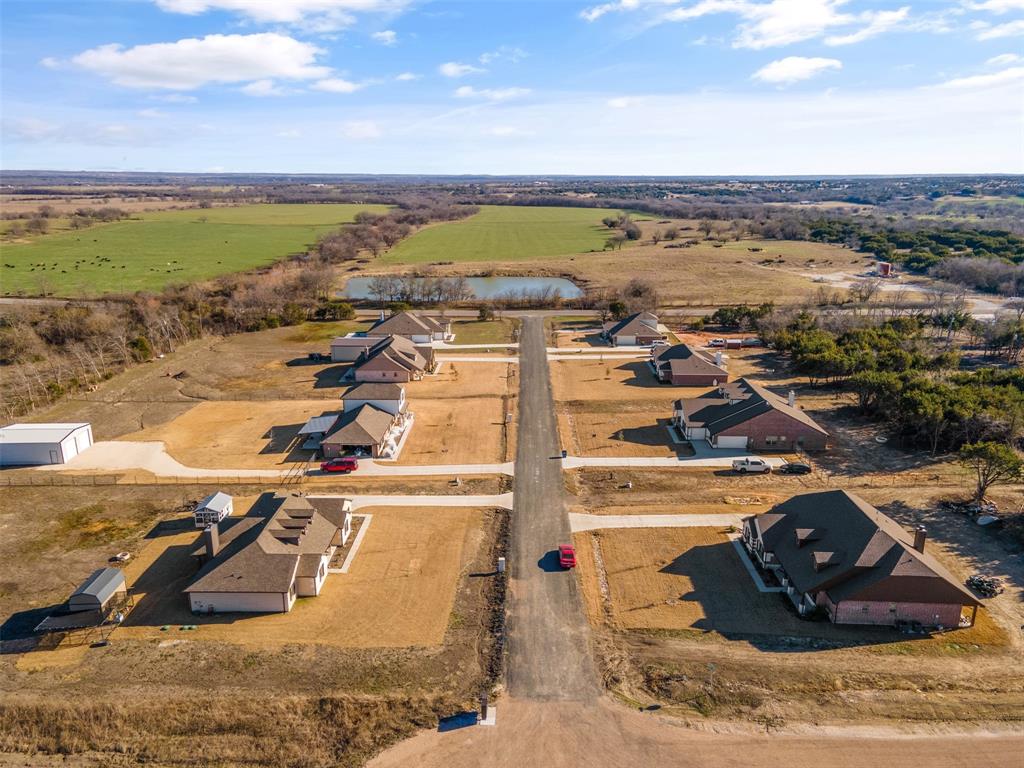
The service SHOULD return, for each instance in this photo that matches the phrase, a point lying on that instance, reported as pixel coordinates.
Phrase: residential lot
(398, 592)
(469, 430)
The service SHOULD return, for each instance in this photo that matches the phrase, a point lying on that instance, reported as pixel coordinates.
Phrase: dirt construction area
(399, 590)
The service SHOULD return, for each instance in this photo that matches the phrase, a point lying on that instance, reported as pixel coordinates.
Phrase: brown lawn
(467, 430)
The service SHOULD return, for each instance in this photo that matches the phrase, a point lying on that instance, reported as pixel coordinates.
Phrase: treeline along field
(165, 247)
(507, 233)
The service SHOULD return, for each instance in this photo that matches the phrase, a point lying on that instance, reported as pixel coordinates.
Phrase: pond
(487, 287)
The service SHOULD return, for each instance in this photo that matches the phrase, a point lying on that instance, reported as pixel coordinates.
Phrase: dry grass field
(398, 593)
(238, 435)
(464, 430)
(604, 433)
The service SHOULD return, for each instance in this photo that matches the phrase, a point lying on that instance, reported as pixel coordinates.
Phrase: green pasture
(506, 233)
(158, 248)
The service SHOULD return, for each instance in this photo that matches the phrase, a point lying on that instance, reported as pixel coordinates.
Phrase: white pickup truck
(751, 465)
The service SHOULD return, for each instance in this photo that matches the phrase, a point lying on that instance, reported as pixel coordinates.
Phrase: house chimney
(920, 536)
(792, 399)
(718, 359)
(211, 538)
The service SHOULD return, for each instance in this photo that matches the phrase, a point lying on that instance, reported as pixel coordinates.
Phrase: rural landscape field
(390, 383)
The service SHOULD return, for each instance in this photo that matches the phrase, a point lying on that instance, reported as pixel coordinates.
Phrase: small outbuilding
(28, 445)
(98, 592)
(213, 509)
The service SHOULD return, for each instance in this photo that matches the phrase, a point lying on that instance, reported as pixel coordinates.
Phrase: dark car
(344, 464)
(795, 468)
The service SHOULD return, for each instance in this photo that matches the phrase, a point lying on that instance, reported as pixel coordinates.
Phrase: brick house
(684, 366)
(640, 330)
(834, 552)
(421, 329)
(747, 416)
(394, 359)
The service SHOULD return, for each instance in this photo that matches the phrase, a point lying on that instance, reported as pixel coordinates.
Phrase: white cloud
(792, 69)
(977, 82)
(1003, 59)
(387, 37)
(457, 69)
(620, 102)
(289, 133)
(768, 24)
(406, 77)
(50, 62)
(151, 114)
(491, 94)
(879, 23)
(503, 52)
(508, 130)
(262, 88)
(336, 85)
(999, 31)
(997, 6)
(174, 98)
(313, 15)
(360, 130)
(194, 62)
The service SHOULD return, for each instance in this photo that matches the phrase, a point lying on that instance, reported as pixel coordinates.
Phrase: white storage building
(26, 445)
(213, 509)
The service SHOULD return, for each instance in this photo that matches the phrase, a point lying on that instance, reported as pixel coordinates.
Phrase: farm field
(506, 233)
(164, 247)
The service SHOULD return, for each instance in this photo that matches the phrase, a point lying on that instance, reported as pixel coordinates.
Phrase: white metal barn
(24, 445)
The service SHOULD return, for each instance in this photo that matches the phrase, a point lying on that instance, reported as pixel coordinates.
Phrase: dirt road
(549, 639)
(604, 734)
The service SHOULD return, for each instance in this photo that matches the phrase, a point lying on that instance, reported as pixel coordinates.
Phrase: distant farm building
(38, 444)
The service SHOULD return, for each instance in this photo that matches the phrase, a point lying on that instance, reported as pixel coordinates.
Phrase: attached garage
(730, 441)
(28, 445)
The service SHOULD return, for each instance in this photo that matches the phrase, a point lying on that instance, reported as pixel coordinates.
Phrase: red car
(343, 464)
(566, 556)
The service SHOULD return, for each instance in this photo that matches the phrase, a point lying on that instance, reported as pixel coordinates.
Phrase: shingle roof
(682, 359)
(641, 323)
(319, 425)
(365, 425)
(743, 401)
(852, 551)
(369, 390)
(407, 324)
(263, 553)
(395, 351)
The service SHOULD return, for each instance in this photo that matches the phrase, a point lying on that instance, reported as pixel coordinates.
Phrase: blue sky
(671, 87)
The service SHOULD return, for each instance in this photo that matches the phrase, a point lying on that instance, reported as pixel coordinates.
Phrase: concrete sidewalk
(503, 500)
(476, 359)
(581, 522)
(443, 345)
(124, 455)
(682, 462)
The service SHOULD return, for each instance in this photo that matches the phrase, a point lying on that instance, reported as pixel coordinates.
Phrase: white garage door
(731, 441)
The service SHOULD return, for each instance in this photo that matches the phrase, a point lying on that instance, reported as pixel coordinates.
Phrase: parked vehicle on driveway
(345, 464)
(716, 343)
(566, 556)
(743, 466)
(795, 468)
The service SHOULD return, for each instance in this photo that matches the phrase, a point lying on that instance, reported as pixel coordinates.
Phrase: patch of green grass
(159, 248)
(507, 233)
(483, 332)
(308, 332)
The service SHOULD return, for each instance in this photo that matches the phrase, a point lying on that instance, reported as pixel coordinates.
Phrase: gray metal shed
(96, 592)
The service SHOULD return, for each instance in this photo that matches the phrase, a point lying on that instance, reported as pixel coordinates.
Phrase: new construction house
(394, 359)
(747, 416)
(685, 366)
(641, 329)
(262, 562)
(418, 328)
(834, 552)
